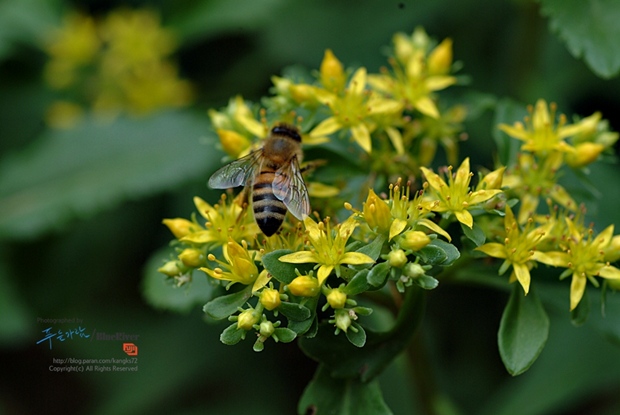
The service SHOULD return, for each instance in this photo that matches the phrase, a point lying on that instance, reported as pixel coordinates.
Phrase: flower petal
(301, 257)
(324, 272)
(464, 217)
(523, 275)
(361, 135)
(355, 258)
(326, 127)
(426, 106)
(493, 249)
(577, 288)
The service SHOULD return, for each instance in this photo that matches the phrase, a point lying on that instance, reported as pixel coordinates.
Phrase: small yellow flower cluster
(558, 240)
(334, 256)
(120, 63)
(548, 146)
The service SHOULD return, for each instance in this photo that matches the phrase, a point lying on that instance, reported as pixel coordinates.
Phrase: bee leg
(311, 165)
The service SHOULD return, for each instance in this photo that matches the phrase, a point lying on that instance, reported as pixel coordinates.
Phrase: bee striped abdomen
(269, 211)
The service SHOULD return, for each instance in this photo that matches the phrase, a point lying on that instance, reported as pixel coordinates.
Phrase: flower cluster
(120, 63)
(369, 238)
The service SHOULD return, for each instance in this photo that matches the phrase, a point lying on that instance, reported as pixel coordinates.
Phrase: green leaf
(301, 327)
(373, 249)
(358, 284)
(426, 282)
(474, 234)
(347, 361)
(439, 252)
(224, 306)
(232, 335)
(523, 331)
(590, 30)
(161, 293)
(328, 395)
(357, 338)
(283, 271)
(378, 274)
(285, 335)
(294, 311)
(94, 166)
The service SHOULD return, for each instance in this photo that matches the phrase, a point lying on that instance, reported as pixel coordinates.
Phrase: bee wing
(236, 173)
(289, 187)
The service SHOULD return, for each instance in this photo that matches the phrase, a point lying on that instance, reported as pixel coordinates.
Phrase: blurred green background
(81, 210)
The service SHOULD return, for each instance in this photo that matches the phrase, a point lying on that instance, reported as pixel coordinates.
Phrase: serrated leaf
(357, 338)
(328, 395)
(222, 307)
(161, 293)
(378, 274)
(523, 331)
(590, 30)
(283, 271)
(294, 311)
(232, 335)
(76, 173)
(474, 234)
(285, 335)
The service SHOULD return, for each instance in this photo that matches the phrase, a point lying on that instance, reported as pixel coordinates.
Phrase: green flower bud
(343, 319)
(266, 328)
(413, 270)
(170, 268)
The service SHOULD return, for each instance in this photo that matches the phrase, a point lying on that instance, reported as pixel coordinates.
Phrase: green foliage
(96, 166)
(326, 394)
(80, 213)
(523, 331)
(596, 43)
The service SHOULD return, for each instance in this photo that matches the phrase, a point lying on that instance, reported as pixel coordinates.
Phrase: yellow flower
(377, 213)
(530, 180)
(541, 135)
(416, 74)
(518, 249)
(224, 221)
(329, 250)
(455, 197)
(332, 73)
(239, 264)
(584, 258)
(70, 47)
(353, 110)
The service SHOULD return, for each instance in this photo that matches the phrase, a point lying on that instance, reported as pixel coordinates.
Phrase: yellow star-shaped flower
(329, 249)
(455, 197)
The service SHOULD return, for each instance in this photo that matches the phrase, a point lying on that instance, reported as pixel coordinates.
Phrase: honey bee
(273, 177)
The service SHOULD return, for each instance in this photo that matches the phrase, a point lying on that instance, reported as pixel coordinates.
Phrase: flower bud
(304, 286)
(170, 268)
(247, 319)
(336, 298)
(266, 328)
(414, 240)
(332, 72)
(232, 142)
(343, 319)
(440, 59)
(179, 227)
(413, 270)
(270, 298)
(585, 153)
(377, 212)
(612, 251)
(397, 258)
(192, 258)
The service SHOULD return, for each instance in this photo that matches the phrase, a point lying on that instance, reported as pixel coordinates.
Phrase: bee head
(287, 131)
